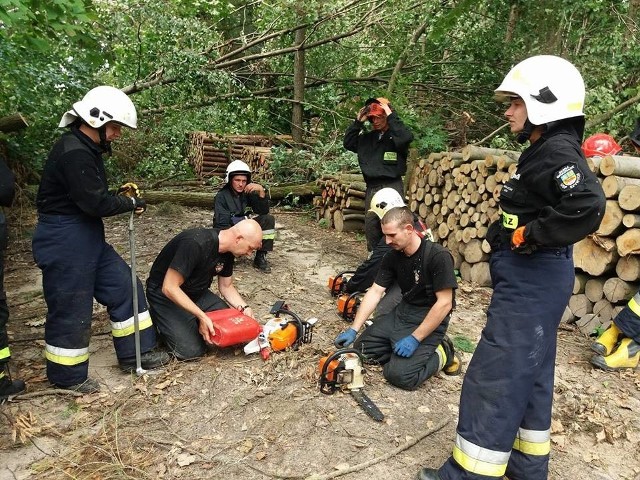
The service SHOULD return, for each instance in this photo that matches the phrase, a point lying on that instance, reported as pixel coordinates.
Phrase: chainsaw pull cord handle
(329, 387)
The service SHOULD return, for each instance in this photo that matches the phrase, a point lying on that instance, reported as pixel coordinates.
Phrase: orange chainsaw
(279, 333)
(343, 370)
(338, 282)
(348, 305)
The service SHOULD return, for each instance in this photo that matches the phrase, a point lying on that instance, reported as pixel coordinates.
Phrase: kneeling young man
(409, 341)
(178, 284)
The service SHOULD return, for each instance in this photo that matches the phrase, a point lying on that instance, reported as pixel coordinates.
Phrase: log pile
(210, 153)
(341, 201)
(608, 262)
(456, 194)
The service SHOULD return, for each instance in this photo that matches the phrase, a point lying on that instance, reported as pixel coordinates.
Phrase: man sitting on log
(382, 154)
(409, 341)
(240, 199)
(178, 284)
(364, 276)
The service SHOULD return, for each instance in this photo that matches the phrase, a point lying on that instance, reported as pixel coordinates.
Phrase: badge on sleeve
(219, 267)
(568, 177)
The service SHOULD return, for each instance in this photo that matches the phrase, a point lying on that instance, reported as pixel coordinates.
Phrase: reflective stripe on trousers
(77, 266)
(507, 392)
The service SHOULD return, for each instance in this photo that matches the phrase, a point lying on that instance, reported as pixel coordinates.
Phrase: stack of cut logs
(456, 193)
(609, 260)
(210, 153)
(341, 201)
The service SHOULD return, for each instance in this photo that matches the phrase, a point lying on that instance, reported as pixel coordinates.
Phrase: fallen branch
(50, 391)
(373, 461)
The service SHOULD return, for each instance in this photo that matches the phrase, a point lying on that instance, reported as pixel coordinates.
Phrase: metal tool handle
(134, 284)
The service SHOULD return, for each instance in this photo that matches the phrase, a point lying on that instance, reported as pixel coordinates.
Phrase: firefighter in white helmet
(550, 202)
(241, 198)
(69, 244)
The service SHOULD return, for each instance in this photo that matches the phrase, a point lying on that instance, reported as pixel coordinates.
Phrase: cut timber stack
(341, 201)
(456, 194)
(210, 153)
(609, 260)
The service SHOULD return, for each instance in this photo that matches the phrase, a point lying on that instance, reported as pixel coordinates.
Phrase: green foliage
(176, 58)
(300, 166)
(462, 343)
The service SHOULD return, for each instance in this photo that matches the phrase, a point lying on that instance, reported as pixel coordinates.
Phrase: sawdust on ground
(237, 417)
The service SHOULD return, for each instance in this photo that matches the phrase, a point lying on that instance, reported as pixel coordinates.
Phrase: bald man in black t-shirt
(178, 284)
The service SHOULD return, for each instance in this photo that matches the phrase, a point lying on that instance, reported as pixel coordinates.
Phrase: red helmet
(600, 145)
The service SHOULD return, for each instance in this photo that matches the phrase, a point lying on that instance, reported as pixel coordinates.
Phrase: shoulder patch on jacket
(569, 177)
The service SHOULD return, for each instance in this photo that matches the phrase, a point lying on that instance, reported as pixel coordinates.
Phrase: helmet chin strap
(104, 144)
(526, 132)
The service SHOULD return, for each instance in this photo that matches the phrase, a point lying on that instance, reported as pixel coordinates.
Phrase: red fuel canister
(232, 327)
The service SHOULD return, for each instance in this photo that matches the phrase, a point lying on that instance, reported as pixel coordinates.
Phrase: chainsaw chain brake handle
(304, 329)
(329, 378)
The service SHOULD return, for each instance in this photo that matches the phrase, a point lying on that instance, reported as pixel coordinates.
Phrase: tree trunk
(205, 199)
(628, 268)
(611, 220)
(343, 225)
(620, 165)
(629, 242)
(629, 198)
(592, 258)
(580, 305)
(594, 289)
(613, 184)
(12, 123)
(299, 74)
(617, 290)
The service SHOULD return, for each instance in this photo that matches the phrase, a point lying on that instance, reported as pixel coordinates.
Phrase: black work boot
(428, 474)
(88, 386)
(9, 388)
(453, 365)
(260, 262)
(148, 361)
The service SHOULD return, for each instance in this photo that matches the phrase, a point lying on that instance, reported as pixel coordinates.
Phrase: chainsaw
(343, 370)
(279, 333)
(338, 282)
(348, 304)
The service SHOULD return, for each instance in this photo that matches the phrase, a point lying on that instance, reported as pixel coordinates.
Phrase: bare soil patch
(237, 417)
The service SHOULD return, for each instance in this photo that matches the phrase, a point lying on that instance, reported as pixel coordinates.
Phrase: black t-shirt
(418, 287)
(194, 254)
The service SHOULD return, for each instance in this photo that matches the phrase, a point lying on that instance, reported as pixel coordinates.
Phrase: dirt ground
(233, 416)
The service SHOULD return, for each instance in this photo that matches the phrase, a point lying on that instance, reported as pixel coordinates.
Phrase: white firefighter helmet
(384, 200)
(551, 88)
(237, 167)
(102, 105)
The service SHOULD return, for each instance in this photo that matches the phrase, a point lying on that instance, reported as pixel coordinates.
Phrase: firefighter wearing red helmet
(600, 145)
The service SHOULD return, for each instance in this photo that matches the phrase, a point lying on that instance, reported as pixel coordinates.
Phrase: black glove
(139, 203)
